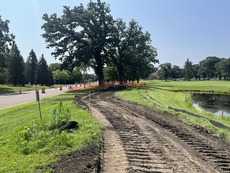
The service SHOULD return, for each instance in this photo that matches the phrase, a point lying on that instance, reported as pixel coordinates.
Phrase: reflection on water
(218, 104)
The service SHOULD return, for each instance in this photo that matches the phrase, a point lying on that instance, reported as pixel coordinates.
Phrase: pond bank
(215, 123)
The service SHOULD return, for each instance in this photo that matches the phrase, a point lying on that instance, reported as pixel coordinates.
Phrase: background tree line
(89, 37)
(14, 71)
(210, 67)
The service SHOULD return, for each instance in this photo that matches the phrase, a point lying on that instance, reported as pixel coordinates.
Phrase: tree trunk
(120, 74)
(99, 69)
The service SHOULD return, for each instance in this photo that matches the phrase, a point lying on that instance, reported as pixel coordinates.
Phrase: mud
(140, 139)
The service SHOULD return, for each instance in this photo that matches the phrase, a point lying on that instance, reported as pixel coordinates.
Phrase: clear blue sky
(180, 29)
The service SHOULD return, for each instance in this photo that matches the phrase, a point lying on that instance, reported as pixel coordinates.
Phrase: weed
(61, 116)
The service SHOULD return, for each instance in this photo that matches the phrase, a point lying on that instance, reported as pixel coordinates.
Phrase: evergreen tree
(188, 70)
(42, 72)
(51, 78)
(30, 69)
(16, 67)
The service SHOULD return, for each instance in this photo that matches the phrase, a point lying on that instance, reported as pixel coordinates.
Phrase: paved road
(13, 99)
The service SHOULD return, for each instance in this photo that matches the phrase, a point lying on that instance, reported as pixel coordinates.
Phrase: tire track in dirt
(205, 145)
(148, 147)
(113, 156)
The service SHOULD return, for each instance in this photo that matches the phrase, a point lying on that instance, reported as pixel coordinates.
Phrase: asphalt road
(13, 99)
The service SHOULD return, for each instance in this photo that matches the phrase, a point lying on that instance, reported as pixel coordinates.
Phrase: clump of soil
(86, 161)
(115, 88)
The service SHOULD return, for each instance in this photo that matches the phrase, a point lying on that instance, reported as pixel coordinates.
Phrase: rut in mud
(139, 139)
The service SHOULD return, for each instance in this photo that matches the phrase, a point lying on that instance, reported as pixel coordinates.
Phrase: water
(217, 104)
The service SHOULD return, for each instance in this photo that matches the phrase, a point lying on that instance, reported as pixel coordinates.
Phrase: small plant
(61, 116)
(40, 135)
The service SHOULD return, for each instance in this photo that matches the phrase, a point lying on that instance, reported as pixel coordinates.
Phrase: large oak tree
(80, 35)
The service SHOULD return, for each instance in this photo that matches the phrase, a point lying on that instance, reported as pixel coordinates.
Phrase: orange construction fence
(73, 87)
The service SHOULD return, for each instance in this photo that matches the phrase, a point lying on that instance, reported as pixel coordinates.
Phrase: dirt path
(139, 139)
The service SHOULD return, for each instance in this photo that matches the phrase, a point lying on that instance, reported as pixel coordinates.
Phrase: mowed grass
(46, 146)
(198, 86)
(162, 95)
(9, 88)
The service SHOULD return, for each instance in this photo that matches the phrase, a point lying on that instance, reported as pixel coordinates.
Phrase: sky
(180, 29)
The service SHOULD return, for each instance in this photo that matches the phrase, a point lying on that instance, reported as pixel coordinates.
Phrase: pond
(217, 104)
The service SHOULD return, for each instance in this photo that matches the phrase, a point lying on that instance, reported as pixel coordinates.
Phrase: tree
(188, 73)
(30, 69)
(61, 76)
(55, 66)
(2, 61)
(6, 41)
(165, 71)
(16, 67)
(195, 69)
(80, 35)
(176, 72)
(131, 52)
(3, 76)
(223, 67)
(111, 74)
(42, 72)
(51, 78)
(207, 66)
(77, 76)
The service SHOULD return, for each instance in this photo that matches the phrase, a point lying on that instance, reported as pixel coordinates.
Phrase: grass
(160, 95)
(198, 86)
(9, 88)
(27, 145)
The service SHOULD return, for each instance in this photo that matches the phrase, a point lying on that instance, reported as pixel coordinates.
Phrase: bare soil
(140, 139)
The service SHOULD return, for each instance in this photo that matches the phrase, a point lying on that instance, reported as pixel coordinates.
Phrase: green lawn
(160, 95)
(10, 88)
(27, 145)
(210, 86)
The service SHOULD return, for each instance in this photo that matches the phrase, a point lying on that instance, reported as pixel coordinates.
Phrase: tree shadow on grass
(4, 90)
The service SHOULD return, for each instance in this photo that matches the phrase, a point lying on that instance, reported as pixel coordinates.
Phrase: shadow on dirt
(116, 88)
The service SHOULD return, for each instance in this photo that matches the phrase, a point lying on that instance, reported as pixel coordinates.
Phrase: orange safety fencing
(73, 87)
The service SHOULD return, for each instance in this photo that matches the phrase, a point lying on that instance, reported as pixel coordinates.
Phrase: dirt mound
(115, 88)
(86, 161)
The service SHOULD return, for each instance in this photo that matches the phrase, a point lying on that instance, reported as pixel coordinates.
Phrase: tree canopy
(16, 67)
(6, 41)
(90, 36)
(30, 68)
(42, 72)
